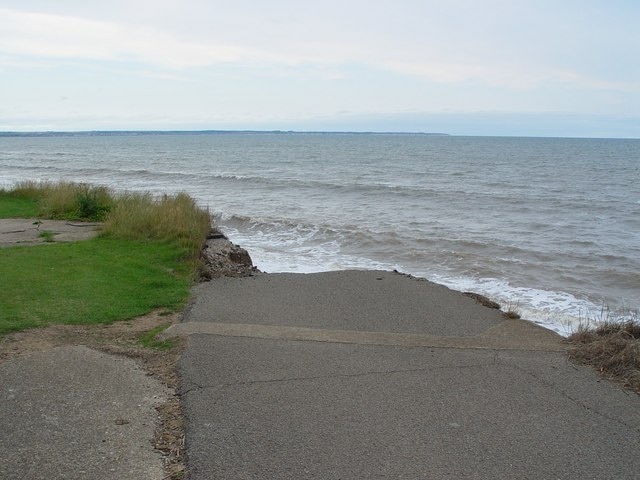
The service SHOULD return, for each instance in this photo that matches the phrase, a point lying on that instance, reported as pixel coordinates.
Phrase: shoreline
(358, 309)
(224, 258)
(561, 319)
(473, 227)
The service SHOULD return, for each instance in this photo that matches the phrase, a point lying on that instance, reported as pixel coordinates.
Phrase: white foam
(558, 311)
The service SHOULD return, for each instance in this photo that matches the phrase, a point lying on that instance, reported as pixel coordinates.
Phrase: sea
(549, 227)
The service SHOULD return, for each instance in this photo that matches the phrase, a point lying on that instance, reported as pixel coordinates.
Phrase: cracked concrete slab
(27, 231)
(74, 412)
(262, 408)
(366, 375)
(309, 361)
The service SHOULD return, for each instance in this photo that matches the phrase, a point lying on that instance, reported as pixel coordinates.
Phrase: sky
(485, 67)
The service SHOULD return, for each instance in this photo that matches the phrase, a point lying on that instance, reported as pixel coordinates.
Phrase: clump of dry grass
(67, 200)
(30, 189)
(613, 348)
(128, 216)
(512, 311)
(176, 219)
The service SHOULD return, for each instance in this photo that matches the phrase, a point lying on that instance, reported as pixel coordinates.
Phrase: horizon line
(45, 133)
(209, 131)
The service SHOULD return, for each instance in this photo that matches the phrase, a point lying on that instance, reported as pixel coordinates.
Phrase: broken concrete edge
(101, 404)
(222, 258)
(482, 300)
(119, 340)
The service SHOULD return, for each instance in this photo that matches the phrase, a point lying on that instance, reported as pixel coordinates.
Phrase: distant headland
(106, 133)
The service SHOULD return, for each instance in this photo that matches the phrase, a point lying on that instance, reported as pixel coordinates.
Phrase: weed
(47, 236)
(94, 203)
(66, 200)
(149, 340)
(128, 216)
(29, 189)
(76, 201)
(512, 311)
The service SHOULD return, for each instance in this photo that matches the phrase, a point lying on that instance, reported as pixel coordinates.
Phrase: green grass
(142, 217)
(47, 236)
(129, 216)
(144, 259)
(149, 340)
(95, 281)
(17, 207)
(66, 200)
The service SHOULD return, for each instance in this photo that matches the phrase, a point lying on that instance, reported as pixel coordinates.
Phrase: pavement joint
(488, 340)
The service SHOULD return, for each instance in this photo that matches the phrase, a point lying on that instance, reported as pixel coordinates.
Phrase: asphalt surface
(353, 300)
(263, 403)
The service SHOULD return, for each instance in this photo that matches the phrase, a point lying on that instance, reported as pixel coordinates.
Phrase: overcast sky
(485, 67)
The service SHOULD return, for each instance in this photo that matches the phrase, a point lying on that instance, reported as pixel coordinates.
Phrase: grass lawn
(94, 281)
(16, 207)
(144, 259)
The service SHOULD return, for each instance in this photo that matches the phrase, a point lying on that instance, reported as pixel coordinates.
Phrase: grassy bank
(145, 257)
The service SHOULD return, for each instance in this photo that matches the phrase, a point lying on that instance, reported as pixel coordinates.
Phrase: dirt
(121, 338)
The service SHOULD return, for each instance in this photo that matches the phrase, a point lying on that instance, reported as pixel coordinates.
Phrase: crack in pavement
(198, 387)
(554, 387)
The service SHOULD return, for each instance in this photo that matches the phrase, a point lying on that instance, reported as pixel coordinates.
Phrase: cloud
(514, 76)
(64, 37)
(304, 44)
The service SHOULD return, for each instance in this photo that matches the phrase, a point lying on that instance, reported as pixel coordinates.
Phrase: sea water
(547, 226)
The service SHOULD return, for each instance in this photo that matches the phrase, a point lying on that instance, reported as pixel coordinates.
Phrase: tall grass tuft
(77, 201)
(176, 219)
(67, 200)
(127, 216)
(613, 348)
(30, 189)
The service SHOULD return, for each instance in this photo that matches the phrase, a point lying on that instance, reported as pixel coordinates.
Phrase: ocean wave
(347, 187)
